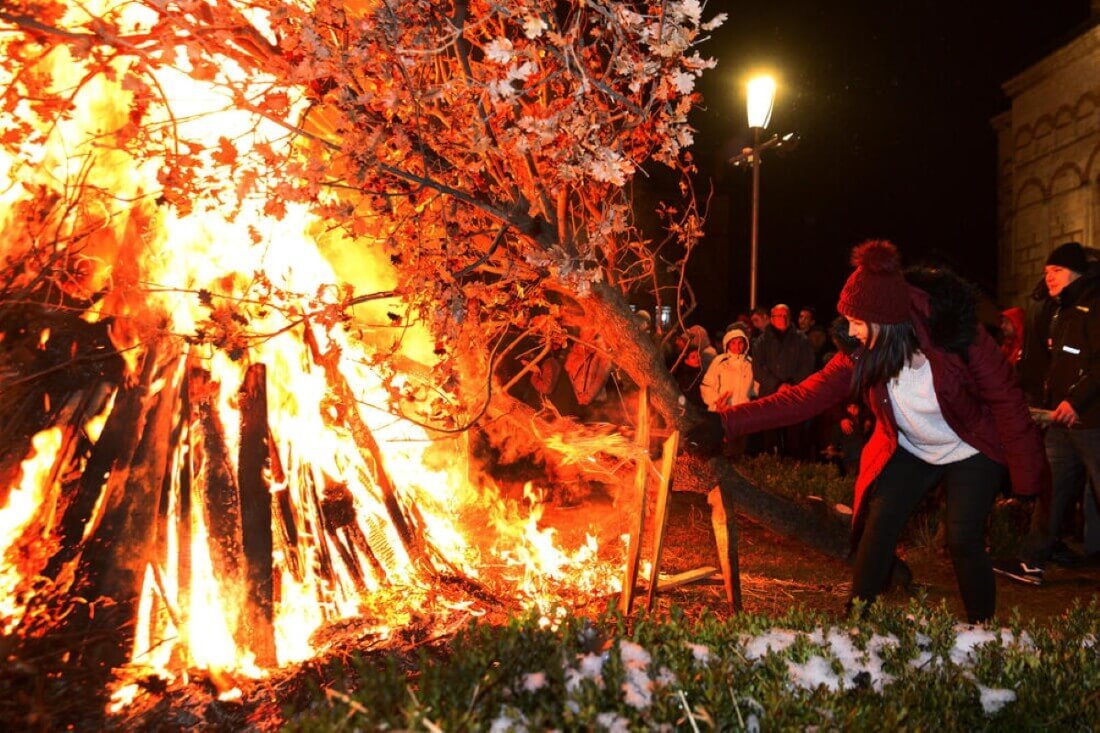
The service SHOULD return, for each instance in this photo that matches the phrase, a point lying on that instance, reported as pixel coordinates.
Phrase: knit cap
(876, 292)
(1071, 256)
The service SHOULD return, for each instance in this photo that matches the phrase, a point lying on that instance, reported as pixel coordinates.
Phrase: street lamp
(761, 99)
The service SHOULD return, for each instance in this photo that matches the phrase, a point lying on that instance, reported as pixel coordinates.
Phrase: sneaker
(1019, 571)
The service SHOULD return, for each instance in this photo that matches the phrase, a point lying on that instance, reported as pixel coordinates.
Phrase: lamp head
(761, 97)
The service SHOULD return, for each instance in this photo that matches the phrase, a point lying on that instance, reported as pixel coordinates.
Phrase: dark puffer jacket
(781, 357)
(976, 388)
(1061, 358)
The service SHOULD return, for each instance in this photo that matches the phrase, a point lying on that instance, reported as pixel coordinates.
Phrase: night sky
(893, 102)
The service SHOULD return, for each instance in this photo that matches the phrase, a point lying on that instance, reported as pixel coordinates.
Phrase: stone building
(1048, 153)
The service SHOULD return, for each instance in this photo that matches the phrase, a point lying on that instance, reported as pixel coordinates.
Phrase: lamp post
(761, 99)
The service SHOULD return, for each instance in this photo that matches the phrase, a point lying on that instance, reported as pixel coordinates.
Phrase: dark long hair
(889, 352)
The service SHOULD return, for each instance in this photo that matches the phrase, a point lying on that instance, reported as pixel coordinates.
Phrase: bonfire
(272, 275)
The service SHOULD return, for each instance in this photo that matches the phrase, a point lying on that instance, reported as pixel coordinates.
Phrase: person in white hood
(729, 381)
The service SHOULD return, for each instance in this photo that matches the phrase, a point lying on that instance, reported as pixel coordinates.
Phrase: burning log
(70, 420)
(314, 526)
(115, 447)
(338, 507)
(113, 561)
(286, 526)
(348, 415)
(338, 511)
(48, 356)
(214, 481)
(660, 519)
(185, 470)
(255, 503)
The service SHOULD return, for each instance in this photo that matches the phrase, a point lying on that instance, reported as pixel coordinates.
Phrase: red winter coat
(979, 398)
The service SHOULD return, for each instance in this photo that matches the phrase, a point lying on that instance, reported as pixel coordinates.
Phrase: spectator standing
(782, 357)
(848, 435)
(1012, 334)
(758, 320)
(729, 380)
(695, 355)
(815, 333)
(1065, 347)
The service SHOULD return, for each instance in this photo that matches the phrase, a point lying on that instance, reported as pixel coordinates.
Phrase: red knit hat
(876, 292)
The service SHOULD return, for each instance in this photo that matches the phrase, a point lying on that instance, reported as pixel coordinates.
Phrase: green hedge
(898, 669)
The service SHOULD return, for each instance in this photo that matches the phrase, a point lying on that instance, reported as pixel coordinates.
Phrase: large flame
(154, 264)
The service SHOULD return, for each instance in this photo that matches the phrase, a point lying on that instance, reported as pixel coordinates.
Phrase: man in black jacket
(782, 357)
(1061, 372)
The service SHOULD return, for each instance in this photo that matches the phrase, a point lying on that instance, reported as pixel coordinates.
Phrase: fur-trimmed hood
(952, 310)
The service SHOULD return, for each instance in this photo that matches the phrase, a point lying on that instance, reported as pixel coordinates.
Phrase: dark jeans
(1074, 455)
(971, 486)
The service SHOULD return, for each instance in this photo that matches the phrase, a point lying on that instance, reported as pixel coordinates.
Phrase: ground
(778, 572)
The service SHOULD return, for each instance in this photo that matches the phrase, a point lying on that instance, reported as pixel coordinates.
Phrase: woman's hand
(704, 439)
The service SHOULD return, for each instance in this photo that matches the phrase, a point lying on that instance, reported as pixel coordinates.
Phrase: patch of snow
(534, 681)
(994, 699)
(613, 722)
(813, 673)
(700, 652)
(967, 639)
(775, 640)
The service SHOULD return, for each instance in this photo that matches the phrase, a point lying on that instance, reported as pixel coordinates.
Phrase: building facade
(1048, 152)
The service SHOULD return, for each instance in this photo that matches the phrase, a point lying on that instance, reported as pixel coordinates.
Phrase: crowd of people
(763, 353)
(928, 396)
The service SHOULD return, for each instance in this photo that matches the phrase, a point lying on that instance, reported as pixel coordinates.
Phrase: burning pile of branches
(262, 263)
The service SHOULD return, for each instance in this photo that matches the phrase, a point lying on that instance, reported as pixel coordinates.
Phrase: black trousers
(971, 486)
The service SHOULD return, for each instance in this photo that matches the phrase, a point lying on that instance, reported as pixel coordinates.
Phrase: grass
(913, 668)
(798, 479)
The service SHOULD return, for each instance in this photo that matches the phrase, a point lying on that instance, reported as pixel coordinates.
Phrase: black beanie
(1071, 256)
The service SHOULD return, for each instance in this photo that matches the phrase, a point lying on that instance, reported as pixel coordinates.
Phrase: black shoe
(1062, 554)
(1019, 571)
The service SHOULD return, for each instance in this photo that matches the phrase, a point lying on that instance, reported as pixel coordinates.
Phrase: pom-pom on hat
(1071, 256)
(876, 292)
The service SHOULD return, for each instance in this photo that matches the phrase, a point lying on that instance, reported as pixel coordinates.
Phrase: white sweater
(921, 428)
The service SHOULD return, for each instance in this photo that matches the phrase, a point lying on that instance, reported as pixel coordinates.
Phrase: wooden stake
(255, 500)
(686, 577)
(725, 537)
(660, 520)
(634, 548)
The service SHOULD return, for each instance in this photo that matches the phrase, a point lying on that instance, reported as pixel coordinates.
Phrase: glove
(704, 439)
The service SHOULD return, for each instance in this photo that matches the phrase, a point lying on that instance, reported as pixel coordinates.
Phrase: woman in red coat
(947, 408)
